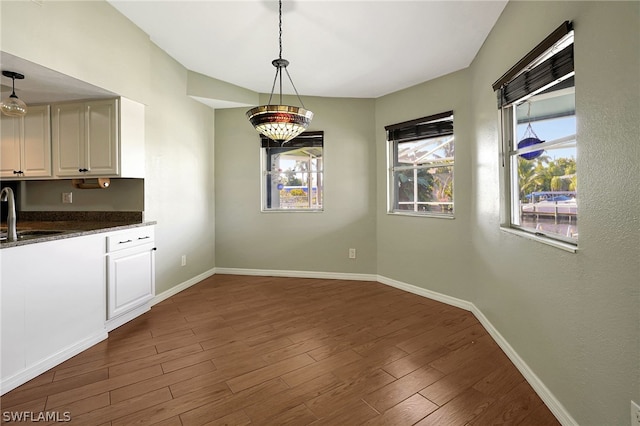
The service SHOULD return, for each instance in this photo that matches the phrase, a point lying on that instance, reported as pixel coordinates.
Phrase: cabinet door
(68, 134)
(36, 152)
(11, 134)
(130, 279)
(102, 137)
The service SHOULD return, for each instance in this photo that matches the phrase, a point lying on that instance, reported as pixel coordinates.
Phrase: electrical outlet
(352, 253)
(183, 262)
(635, 414)
(67, 197)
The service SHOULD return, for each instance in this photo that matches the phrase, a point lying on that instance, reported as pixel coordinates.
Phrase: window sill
(414, 214)
(541, 239)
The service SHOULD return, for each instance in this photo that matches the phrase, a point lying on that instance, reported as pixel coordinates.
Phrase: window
(292, 173)
(538, 113)
(421, 156)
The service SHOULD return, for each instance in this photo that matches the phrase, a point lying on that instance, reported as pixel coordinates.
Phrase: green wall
(432, 253)
(573, 318)
(304, 241)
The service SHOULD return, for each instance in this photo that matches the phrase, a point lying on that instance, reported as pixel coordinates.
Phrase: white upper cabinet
(98, 138)
(25, 145)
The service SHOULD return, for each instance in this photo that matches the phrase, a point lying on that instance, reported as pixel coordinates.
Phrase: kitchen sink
(32, 233)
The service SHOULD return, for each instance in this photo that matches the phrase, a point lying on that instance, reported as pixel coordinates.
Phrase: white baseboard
(439, 297)
(114, 323)
(298, 274)
(183, 286)
(35, 370)
(48, 363)
(538, 385)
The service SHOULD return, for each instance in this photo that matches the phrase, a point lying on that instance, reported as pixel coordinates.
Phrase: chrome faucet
(7, 195)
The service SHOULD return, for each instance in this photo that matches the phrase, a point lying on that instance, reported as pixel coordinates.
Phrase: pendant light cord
(280, 44)
(13, 87)
(280, 27)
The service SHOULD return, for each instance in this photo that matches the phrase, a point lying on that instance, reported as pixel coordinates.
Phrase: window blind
(303, 140)
(421, 128)
(524, 79)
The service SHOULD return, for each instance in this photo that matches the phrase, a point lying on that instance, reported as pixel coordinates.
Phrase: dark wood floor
(260, 350)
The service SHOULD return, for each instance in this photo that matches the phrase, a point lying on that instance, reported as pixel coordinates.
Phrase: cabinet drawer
(130, 238)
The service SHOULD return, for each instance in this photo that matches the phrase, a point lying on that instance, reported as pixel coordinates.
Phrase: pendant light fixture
(280, 123)
(13, 106)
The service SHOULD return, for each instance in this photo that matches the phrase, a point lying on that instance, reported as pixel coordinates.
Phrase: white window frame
(392, 193)
(512, 179)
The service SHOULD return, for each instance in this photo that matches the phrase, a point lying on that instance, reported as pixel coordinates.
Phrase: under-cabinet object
(130, 274)
(98, 138)
(25, 145)
(99, 183)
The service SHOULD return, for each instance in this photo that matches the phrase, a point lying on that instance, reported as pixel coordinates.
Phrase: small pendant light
(280, 123)
(12, 106)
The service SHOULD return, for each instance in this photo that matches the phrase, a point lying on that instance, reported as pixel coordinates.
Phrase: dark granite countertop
(75, 227)
(70, 230)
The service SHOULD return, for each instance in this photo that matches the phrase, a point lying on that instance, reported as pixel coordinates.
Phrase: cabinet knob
(83, 170)
(17, 172)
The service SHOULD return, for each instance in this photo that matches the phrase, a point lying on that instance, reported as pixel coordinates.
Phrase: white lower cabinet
(53, 300)
(52, 304)
(130, 274)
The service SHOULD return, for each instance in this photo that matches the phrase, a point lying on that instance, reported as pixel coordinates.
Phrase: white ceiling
(336, 48)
